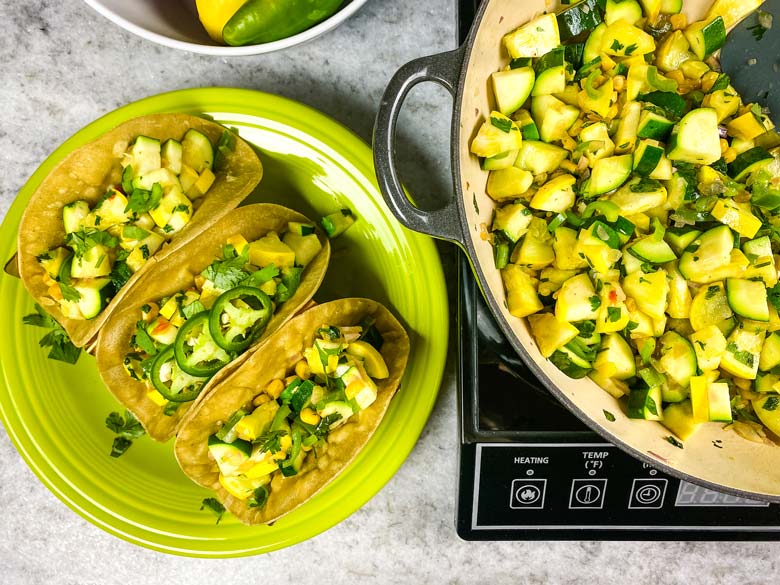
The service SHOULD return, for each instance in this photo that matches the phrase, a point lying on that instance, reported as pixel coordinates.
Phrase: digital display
(690, 495)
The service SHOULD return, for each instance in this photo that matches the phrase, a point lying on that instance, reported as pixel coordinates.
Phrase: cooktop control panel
(594, 490)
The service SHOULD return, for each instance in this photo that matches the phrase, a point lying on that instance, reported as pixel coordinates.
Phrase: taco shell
(177, 272)
(275, 358)
(90, 170)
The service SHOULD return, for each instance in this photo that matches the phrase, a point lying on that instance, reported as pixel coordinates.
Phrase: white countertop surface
(63, 65)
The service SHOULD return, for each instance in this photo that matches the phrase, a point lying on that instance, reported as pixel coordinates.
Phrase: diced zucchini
(74, 215)
(678, 418)
(766, 408)
(747, 298)
(709, 306)
(592, 49)
(680, 238)
(748, 163)
(645, 403)
(608, 174)
(144, 155)
(197, 151)
(647, 156)
(625, 137)
(540, 157)
(578, 19)
(651, 250)
(615, 356)
(305, 247)
(92, 296)
(500, 161)
(550, 72)
(229, 456)
(527, 125)
(654, 126)
(706, 36)
(695, 139)
(171, 155)
(512, 87)
(770, 353)
(535, 38)
(743, 351)
(708, 253)
(338, 222)
(162, 330)
(552, 116)
(512, 220)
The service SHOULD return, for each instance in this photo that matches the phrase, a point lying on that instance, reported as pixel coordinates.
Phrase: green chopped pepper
(263, 21)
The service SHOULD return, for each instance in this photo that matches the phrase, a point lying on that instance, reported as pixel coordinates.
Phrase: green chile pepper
(196, 351)
(239, 316)
(263, 21)
(174, 384)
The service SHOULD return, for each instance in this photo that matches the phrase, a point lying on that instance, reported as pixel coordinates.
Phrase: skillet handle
(443, 69)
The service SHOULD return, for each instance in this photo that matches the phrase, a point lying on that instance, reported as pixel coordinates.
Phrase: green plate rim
(324, 129)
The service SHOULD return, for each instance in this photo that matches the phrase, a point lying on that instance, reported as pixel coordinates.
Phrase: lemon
(214, 14)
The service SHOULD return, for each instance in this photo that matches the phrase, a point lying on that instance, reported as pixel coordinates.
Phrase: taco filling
(107, 242)
(185, 338)
(291, 418)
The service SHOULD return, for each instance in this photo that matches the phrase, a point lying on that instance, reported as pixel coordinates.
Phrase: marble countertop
(63, 65)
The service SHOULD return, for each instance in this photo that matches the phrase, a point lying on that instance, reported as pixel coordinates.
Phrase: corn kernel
(261, 399)
(55, 292)
(568, 166)
(729, 155)
(290, 379)
(724, 145)
(708, 80)
(302, 370)
(198, 281)
(677, 75)
(678, 21)
(618, 82)
(309, 416)
(274, 388)
(353, 388)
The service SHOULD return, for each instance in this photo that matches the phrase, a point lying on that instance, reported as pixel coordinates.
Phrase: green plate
(54, 413)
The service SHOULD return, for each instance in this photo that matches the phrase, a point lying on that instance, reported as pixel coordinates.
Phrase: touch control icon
(647, 494)
(587, 494)
(527, 494)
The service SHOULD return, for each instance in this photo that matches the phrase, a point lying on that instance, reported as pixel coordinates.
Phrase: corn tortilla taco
(292, 416)
(115, 206)
(194, 316)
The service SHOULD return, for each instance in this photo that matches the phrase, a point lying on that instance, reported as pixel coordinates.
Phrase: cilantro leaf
(142, 200)
(143, 340)
(214, 506)
(670, 439)
(62, 349)
(228, 272)
(259, 497)
(126, 428)
(595, 302)
(503, 124)
(609, 416)
(69, 293)
(272, 441)
(120, 274)
(133, 232)
(774, 296)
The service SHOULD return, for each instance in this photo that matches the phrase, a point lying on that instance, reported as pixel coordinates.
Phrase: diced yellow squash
(577, 300)
(550, 333)
(201, 186)
(746, 127)
(521, 296)
(732, 11)
(679, 418)
(238, 242)
(373, 361)
(650, 291)
(556, 195)
(257, 422)
(271, 250)
(156, 397)
(709, 344)
(737, 217)
(624, 39)
(496, 135)
(564, 246)
(535, 38)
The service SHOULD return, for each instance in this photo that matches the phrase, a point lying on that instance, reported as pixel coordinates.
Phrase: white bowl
(174, 23)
